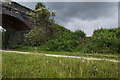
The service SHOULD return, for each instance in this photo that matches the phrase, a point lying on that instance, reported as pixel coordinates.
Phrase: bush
(61, 39)
(79, 33)
(64, 40)
(61, 44)
(102, 41)
(36, 37)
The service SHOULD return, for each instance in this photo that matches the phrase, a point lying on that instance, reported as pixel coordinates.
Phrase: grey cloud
(119, 14)
(83, 10)
(86, 16)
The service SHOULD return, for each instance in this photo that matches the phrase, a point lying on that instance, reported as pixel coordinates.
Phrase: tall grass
(40, 66)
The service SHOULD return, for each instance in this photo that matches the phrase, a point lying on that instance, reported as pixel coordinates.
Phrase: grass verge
(40, 66)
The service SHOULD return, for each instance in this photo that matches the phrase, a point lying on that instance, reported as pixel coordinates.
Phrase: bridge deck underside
(12, 23)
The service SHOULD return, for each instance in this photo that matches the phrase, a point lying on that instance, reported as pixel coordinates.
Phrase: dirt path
(87, 58)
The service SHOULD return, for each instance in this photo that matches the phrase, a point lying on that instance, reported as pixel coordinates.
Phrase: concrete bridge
(16, 19)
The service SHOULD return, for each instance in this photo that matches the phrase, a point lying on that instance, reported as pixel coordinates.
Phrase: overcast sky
(86, 16)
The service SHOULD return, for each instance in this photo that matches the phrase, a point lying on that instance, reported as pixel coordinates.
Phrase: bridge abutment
(16, 38)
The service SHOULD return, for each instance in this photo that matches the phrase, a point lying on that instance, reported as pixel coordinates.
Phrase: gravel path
(87, 58)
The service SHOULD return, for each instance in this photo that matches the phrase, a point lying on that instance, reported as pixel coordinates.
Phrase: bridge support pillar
(16, 38)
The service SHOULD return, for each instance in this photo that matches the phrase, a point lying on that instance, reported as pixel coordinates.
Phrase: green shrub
(64, 40)
(36, 37)
(102, 41)
(61, 44)
(79, 33)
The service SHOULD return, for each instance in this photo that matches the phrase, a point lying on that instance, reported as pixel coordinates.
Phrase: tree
(43, 14)
(36, 37)
(39, 5)
(79, 33)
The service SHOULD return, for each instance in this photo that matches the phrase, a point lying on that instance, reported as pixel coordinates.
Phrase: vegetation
(43, 15)
(102, 41)
(36, 37)
(61, 39)
(40, 66)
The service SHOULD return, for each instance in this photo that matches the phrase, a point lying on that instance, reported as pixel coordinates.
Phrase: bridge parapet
(17, 7)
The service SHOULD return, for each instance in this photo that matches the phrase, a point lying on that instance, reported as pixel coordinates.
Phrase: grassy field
(40, 66)
(76, 53)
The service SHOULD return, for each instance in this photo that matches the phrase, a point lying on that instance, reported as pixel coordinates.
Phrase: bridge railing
(15, 10)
